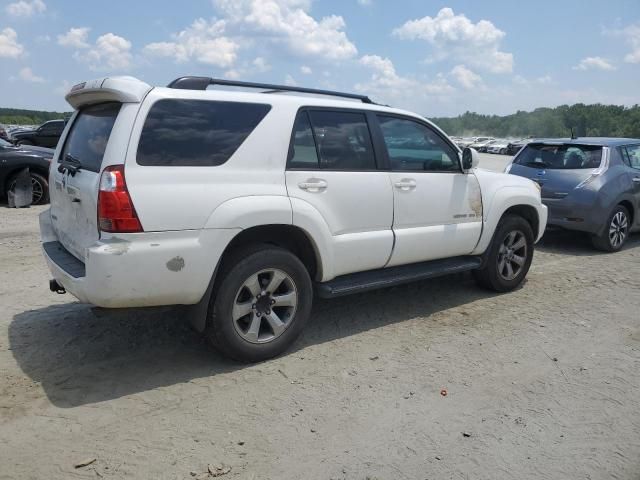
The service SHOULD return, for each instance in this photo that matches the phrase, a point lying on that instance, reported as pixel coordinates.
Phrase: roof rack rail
(201, 83)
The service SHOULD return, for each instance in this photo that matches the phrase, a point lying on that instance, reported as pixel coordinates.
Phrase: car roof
(602, 141)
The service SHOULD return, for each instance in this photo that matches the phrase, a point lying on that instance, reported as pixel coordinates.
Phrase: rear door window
(633, 155)
(560, 157)
(89, 135)
(303, 154)
(196, 133)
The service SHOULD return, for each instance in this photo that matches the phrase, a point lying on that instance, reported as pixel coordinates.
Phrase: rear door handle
(405, 184)
(313, 185)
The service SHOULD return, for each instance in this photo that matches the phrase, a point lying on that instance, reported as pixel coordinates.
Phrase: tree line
(585, 120)
(17, 116)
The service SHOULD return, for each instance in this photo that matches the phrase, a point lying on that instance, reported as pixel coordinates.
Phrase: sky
(438, 58)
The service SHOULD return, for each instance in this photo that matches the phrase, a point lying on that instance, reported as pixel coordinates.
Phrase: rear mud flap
(22, 193)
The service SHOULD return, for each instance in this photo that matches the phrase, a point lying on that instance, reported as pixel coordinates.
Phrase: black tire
(222, 330)
(605, 241)
(489, 275)
(503, 151)
(36, 179)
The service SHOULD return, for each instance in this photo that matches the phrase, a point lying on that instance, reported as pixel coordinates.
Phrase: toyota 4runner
(242, 205)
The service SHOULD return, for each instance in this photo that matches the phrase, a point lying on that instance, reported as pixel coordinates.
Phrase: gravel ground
(541, 383)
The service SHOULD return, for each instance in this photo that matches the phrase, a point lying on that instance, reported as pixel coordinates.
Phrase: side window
(633, 154)
(303, 147)
(196, 133)
(413, 146)
(343, 140)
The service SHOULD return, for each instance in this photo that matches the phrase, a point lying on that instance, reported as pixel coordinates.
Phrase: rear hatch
(97, 136)
(557, 167)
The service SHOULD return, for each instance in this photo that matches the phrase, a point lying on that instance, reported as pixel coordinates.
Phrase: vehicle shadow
(81, 358)
(566, 242)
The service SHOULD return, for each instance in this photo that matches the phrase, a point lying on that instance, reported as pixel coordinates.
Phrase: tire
(503, 151)
(40, 188)
(502, 272)
(615, 231)
(235, 309)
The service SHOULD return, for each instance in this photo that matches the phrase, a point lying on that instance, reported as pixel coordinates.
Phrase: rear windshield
(567, 157)
(89, 135)
(196, 132)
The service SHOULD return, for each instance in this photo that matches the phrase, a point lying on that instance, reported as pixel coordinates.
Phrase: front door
(332, 170)
(437, 207)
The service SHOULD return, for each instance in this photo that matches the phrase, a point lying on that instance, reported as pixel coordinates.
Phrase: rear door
(332, 168)
(74, 196)
(437, 207)
(632, 159)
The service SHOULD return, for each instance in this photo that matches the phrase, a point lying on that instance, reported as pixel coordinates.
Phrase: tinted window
(196, 132)
(413, 146)
(90, 133)
(538, 155)
(304, 153)
(343, 140)
(633, 154)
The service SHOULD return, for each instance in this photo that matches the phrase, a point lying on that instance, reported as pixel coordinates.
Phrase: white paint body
(356, 221)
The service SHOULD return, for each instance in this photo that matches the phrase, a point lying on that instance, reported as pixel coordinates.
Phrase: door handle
(405, 184)
(313, 185)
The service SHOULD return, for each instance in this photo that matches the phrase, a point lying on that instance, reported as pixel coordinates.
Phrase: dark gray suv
(588, 184)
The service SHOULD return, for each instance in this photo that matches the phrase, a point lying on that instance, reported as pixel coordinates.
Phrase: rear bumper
(570, 215)
(138, 270)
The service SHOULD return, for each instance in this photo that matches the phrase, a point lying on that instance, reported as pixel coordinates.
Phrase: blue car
(590, 185)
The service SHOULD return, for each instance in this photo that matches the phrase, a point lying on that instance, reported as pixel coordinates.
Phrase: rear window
(89, 135)
(560, 157)
(196, 133)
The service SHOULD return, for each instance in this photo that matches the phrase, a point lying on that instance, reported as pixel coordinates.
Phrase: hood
(45, 152)
(22, 133)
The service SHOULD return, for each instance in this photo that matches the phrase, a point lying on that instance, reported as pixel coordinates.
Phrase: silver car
(588, 184)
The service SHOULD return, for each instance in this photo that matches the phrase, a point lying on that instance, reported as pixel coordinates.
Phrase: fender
(497, 204)
(251, 211)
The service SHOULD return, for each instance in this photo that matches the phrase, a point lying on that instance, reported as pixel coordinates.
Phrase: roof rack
(201, 83)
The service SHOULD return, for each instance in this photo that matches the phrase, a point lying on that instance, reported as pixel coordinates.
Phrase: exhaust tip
(54, 286)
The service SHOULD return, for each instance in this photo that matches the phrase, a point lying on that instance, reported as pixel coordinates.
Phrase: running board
(388, 277)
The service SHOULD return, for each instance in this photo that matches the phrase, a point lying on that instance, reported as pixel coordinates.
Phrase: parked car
(515, 146)
(14, 159)
(484, 146)
(243, 205)
(46, 135)
(589, 184)
(4, 134)
(498, 146)
(480, 142)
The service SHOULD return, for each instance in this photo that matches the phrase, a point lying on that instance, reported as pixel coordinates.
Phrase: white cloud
(305, 70)
(110, 52)
(63, 88)
(261, 65)
(75, 37)
(290, 81)
(387, 84)
(365, 3)
(456, 36)
(594, 63)
(632, 35)
(288, 22)
(466, 78)
(9, 46)
(202, 41)
(27, 75)
(26, 8)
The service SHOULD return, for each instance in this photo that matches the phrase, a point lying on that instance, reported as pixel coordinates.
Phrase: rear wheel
(503, 151)
(509, 256)
(261, 304)
(616, 231)
(40, 188)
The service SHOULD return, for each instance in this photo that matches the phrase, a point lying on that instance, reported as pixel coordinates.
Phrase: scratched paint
(175, 264)
(475, 198)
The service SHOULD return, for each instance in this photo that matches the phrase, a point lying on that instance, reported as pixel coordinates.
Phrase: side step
(387, 277)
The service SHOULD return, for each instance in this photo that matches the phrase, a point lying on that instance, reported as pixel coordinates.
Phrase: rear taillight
(115, 209)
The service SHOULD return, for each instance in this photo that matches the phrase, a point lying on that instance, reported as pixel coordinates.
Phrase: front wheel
(509, 256)
(615, 232)
(261, 304)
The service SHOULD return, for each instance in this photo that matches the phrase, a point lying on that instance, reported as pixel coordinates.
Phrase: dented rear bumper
(137, 270)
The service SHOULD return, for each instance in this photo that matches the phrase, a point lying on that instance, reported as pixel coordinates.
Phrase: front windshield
(560, 157)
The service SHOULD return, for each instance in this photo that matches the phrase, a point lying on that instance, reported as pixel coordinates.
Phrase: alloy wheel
(618, 229)
(265, 306)
(512, 255)
(37, 190)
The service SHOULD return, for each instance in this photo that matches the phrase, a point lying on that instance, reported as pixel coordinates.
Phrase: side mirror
(470, 158)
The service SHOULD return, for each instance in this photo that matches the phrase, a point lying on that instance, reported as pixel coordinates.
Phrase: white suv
(241, 204)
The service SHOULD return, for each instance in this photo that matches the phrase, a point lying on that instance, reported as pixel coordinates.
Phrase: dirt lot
(542, 383)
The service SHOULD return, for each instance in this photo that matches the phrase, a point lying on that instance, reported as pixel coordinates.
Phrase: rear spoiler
(108, 89)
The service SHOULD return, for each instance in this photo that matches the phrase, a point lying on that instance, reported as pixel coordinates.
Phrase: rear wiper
(71, 164)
